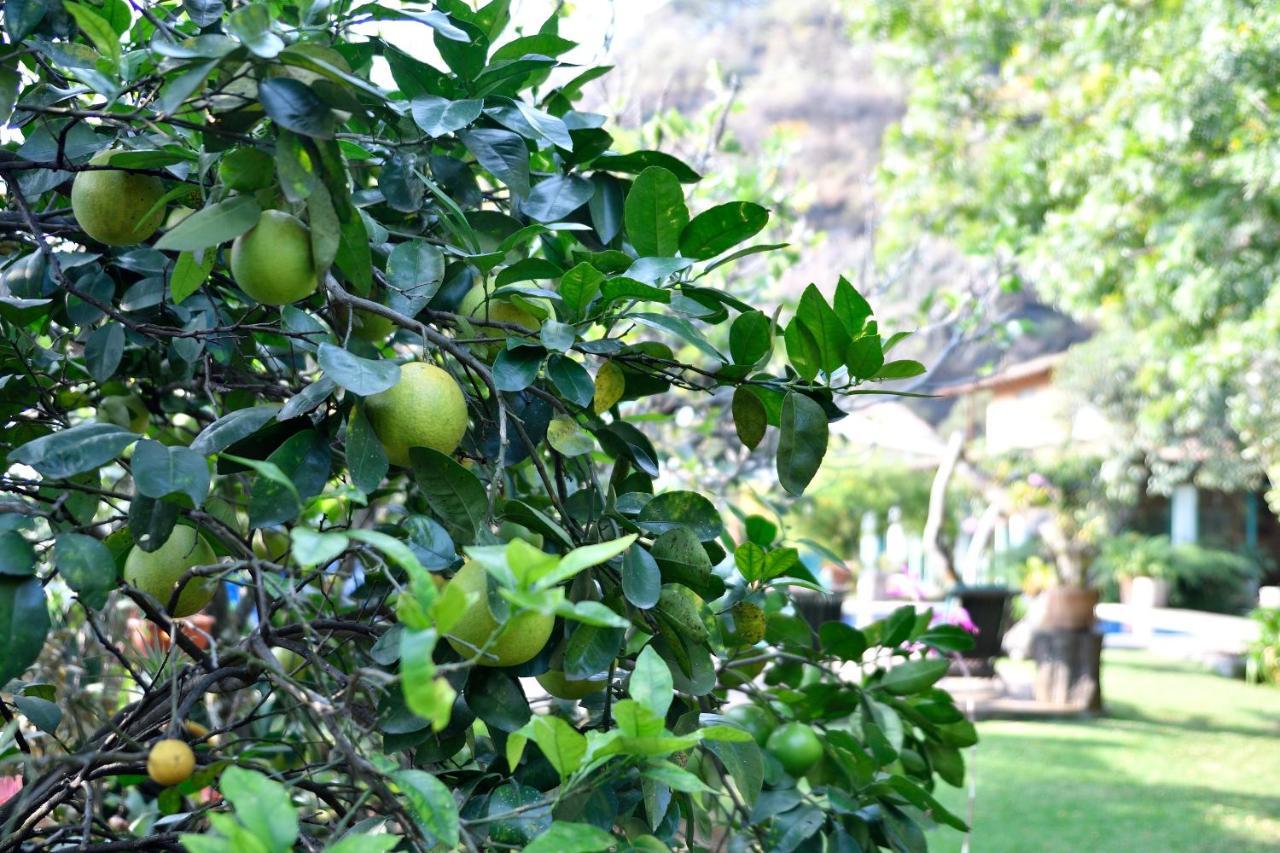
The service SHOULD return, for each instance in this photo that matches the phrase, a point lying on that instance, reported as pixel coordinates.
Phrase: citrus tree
(329, 515)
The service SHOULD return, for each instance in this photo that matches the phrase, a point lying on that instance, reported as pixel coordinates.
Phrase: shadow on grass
(1126, 712)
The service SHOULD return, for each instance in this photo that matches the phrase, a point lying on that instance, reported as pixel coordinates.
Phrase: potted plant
(1142, 567)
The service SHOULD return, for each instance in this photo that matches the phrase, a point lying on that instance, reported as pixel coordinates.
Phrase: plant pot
(1069, 608)
(1144, 592)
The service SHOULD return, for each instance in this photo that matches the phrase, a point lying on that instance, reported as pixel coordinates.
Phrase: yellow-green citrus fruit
(115, 207)
(425, 408)
(290, 661)
(155, 573)
(796, 746)
(246, 169)
(501, 310)
(756, 720)
(170, 762)
(124, 410)
(366, 326)
(743, 625)
(176, 215)
(272, 261)
(561, 686)
(271, 543)
(522, 637)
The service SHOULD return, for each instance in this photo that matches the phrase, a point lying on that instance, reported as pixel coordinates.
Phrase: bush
(1263, 663)
(1199, 578)
(386, 355)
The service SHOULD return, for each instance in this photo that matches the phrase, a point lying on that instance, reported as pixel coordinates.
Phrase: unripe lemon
(272, 544)
(272, 261)
(425, 408)
(156, 572)
(246, 169)
(561, 686)
(170, 762)
(796, 746)
(743, 625)
(522, 637)
(501, 310)
(112, 206)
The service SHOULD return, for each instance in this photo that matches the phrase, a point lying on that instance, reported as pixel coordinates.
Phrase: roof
(1041, 365)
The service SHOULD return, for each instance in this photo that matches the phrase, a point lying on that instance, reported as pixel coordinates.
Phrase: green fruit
(503, 310)
(796, 746)
(425, 408)
(560, 686)
(246, 169)
(521, 637)
(743, 625)
(272, 544)
(682, 559)
(124, 410)
(756, 720)
(157, 572)
(115, 207)
(272, 261)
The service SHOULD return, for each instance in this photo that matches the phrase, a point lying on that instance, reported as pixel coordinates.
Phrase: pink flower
(958, 616)
(9, 788)
(1039, 481)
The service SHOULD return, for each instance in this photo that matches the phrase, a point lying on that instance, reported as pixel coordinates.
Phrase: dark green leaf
(160, 471)
(638, 161)
(103, 351)
(151, 521)
(591, 649)
(914, 676)
(233, 427)
(803, 442)
(74, 451)
(670, 510)
(503, 153)
(865, 357)
(304, 460)
(641, 578)
(17, 555)
(452, 492)
(431, 803)
(842, 641)
(821, 321)
(251, 24)
(515, 369)
(578, 287)
(87, 566)
(721, 228)
(749, 418)
(902, 369)
(439, 116)
(554, 198)
(212, 225)
(366, 457)
(294, 106)
(24, 622)
(802, 349)
(416, 268)
(571, 379)
(750, 338)
(497, 699)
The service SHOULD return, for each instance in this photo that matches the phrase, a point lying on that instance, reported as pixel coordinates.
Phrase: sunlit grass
(1184, 761)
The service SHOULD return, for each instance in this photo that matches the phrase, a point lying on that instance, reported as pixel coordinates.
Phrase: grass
(1184, 761)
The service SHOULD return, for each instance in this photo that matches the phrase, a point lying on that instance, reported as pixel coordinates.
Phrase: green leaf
(42, 713)
(567, 437)
(104, 350)
(578, 287)
(852, 309)
(651, 683)
(262, 805)
(638, 161)
(312, 549)
(212, 225)
(160, 471)
(564, 837)
(301, 468)
(440, 116)
(680, 327)
(364, 843)
(366, 457)
(554, 198)
(670, 510)
(188, 275)
(294, 106)
(74, 451)
(750, 338)
(24, 622)
(426, 695)
(17, 555)
(865, 357)
(913, 676)
(416, 268)
(743, 761)
(802, 349)
(571, 379)
(562, 744)
(452, 492)
(431, 803)
(902, 369)
(96, 28)
(585, 557)
(22, 16)
(923, 800)
(233, 427)
(830, 336)
(503, 153)
(251, 24)
(750, 420)
(590, 650)
(497, 699)
(516, 369)
(751, 561)
(591, 613)
(802, 443)
(655, 213)
(721, 228)
(641, 577)
(842, 641)
(363, 376)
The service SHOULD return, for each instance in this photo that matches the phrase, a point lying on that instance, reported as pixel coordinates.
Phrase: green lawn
(1184, 761)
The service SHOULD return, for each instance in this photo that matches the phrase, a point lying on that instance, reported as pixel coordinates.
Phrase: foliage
(142, 388)
(1263, 664)
(1200, 578)
(832, 508)
(1121, 157)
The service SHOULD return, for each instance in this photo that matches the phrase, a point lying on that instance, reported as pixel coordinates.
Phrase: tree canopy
(348, 356)
(1121, 158)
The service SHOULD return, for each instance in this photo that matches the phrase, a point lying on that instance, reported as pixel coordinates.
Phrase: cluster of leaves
(142, 389)
(1123, 158)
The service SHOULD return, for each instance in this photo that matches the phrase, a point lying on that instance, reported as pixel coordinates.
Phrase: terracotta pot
(146, 636)
(1069, 607)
